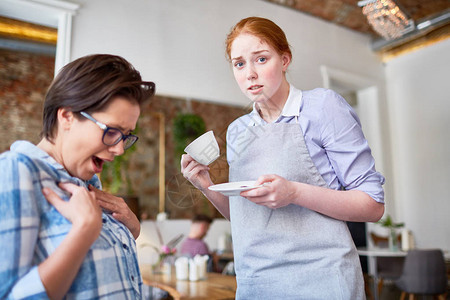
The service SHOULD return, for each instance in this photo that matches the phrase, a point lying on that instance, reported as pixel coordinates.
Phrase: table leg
(373, 271)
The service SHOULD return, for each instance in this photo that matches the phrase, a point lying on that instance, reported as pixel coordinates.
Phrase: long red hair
(262, 28)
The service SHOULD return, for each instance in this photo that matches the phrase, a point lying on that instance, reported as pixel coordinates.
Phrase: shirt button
(104, 220)
(132, 277)
(125, 246)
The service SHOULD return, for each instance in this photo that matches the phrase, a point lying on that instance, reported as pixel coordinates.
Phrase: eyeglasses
(112, 136)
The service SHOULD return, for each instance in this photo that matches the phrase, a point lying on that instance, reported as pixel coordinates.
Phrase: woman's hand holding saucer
(276, 192)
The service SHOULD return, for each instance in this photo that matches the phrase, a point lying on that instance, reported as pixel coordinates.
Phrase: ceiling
(341, 12)
(347, 13)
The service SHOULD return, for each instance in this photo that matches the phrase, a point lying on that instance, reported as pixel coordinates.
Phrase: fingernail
(45, 191)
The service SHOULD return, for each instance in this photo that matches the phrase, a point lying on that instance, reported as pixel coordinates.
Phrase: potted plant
(392, 227)
(115, 176)
(186, 128)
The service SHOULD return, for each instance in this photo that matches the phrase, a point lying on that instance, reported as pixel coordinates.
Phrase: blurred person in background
(194, 243)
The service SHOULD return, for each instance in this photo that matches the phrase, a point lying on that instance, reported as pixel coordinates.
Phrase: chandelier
(386, 18)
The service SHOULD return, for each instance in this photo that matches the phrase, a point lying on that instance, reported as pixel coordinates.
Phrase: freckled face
(83, 152)
(258, 68)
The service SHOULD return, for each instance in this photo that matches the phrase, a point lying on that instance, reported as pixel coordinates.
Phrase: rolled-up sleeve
(347, 149)
(19, 225)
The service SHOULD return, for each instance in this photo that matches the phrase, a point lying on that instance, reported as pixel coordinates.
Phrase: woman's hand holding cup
(200, 153)
(204, 149)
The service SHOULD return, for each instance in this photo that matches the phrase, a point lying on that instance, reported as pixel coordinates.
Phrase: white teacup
(204, 149)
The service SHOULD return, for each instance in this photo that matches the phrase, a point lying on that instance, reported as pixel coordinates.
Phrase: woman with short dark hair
(67, 247)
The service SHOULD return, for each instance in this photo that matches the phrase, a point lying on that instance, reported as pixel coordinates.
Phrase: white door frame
(52, 13)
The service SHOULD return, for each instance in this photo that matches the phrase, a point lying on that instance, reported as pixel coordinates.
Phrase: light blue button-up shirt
(31, 229)
(333, 136)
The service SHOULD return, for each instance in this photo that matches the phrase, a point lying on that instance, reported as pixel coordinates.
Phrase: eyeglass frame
(105, 129)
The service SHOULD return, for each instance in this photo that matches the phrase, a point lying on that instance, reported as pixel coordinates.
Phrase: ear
(65, 118)
(286, 60)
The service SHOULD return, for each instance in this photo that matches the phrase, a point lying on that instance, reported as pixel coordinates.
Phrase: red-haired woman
(289, 237)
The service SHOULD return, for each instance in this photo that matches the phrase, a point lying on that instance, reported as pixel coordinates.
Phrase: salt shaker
(182, 268)
(193, 270)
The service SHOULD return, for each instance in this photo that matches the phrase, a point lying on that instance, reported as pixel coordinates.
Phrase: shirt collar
(291, 107)
(33, 151)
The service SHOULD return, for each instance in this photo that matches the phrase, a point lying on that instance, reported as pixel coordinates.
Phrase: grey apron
(290, 252)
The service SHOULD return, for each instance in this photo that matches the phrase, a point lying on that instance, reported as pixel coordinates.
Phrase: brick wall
(24, 79)
(182, 200)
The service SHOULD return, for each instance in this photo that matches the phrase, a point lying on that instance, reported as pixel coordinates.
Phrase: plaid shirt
(31, 229)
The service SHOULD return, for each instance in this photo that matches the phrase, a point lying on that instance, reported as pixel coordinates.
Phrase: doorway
(50, 13)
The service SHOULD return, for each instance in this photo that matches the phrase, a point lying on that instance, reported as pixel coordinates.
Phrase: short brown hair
(262, 28)
(202, 218)
(89, 83)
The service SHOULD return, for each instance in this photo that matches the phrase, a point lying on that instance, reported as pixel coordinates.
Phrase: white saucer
(234, 188)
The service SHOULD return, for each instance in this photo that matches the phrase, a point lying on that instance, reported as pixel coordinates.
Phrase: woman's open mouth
(98, 164)
(254, 89)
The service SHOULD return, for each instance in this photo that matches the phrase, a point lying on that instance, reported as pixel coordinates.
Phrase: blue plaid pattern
(31, 229)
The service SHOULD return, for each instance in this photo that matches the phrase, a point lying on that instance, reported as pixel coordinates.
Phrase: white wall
(179, 44)
(418, 90)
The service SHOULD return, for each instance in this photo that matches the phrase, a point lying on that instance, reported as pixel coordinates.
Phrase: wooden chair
(424, 273)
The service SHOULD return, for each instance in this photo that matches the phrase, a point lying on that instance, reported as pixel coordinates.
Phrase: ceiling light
(386, 18)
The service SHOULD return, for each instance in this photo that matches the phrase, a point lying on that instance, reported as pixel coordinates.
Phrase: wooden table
(215, 286)
(372, 254)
